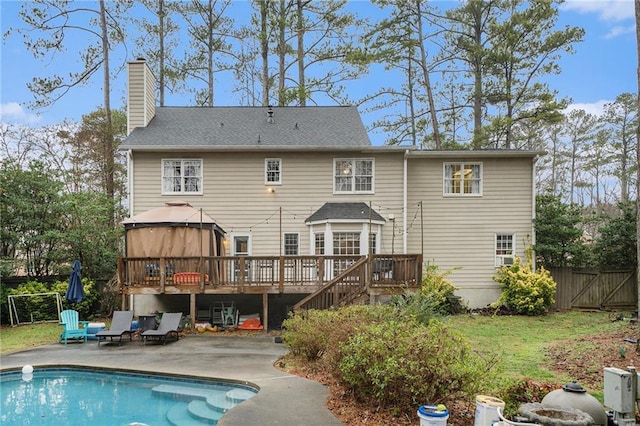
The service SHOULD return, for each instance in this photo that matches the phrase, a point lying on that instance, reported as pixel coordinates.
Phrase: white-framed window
(462, 179)
(373, 243)
(318, 240)
(505, 249)
(346, 243)
(241, 245)
(291, 244)
(353, 175)
(272, 171)
(181, 176)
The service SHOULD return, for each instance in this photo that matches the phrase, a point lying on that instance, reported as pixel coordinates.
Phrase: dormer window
(181, 176)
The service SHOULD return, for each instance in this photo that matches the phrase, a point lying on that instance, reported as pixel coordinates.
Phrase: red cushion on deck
(251, 324)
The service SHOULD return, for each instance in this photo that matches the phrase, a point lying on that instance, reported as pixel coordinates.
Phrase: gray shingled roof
(344, 211)
(199, 127)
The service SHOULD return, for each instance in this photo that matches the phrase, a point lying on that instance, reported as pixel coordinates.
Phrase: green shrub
(524, 291)
(418, 307)
(316, 334)
(521, 391)
(4, 303)
(405, 364)
(88, 307)
(437, 287)
(39, 310)
(35, 305)
(306, 333)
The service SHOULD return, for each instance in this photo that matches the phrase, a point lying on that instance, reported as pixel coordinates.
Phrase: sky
(602, 67)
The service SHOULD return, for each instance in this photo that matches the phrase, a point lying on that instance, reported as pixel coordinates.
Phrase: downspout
(533, 210)
(404, 203)
(130, 198)
(130, 181)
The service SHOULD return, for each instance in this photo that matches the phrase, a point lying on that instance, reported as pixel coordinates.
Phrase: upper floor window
(182, 176)
(272, 171)
(463, 179)
(505, 245)
(353, 175)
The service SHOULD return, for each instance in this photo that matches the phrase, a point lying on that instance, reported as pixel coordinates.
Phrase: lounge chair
(169, 324)
(71, 326)
(120, 326)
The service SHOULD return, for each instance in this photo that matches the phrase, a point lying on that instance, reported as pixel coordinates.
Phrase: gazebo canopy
(175, 230)
(174, 213)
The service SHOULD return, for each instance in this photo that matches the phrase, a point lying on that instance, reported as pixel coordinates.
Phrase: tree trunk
(412, 113)
(281, 52)
(637, 8)
(161, 53)
(210, 53)
(477, 84)
(427, 82)
(264, 50)
(302, 96)
(108, 134)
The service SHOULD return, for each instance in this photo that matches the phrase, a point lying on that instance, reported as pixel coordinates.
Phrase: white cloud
(13, 112)
(619, 30)
(595, 108)
(607, 10)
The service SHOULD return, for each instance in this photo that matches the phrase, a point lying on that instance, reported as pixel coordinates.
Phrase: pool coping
(283, 399)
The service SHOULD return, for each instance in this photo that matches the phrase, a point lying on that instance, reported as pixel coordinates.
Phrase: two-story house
(306, 183)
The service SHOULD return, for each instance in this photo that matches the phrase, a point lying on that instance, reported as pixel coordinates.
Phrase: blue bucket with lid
(431, 416)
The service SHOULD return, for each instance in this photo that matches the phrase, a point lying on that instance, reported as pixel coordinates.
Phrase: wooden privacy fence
(594, 289)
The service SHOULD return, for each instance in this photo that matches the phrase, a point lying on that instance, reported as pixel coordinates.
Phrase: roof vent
(270, 114)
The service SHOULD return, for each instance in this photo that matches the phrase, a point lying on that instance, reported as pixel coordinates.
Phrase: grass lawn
(521, 341)
(556, 349)
(14, 339)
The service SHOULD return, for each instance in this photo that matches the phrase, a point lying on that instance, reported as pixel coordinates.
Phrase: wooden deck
(326, 280)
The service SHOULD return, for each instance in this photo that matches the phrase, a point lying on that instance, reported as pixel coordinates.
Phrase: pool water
(58, 396)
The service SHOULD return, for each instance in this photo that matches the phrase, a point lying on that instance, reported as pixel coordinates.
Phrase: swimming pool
(56, 396)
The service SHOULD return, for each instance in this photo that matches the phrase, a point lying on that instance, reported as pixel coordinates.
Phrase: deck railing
(280, 272)
(383, 271)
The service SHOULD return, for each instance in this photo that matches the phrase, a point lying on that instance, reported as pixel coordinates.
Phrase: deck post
(265, 310)
(192, 308)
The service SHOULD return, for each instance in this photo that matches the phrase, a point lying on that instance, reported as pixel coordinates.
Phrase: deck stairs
(349, 287)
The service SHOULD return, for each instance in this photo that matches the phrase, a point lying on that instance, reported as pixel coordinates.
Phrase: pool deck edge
(283, 399)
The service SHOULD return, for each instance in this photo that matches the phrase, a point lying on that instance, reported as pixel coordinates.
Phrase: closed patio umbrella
(75, 292)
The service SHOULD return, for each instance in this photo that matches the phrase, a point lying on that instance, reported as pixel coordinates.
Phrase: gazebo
(175, 230)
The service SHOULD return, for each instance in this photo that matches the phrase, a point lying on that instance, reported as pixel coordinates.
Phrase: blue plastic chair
(71, 326)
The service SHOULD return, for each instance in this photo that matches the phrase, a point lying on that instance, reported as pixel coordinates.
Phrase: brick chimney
(141, 95)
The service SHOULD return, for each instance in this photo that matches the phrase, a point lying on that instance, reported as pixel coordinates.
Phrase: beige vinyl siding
(459, 232)
(141, 101)
(235, 195)
(150, 98)
(136, 109)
